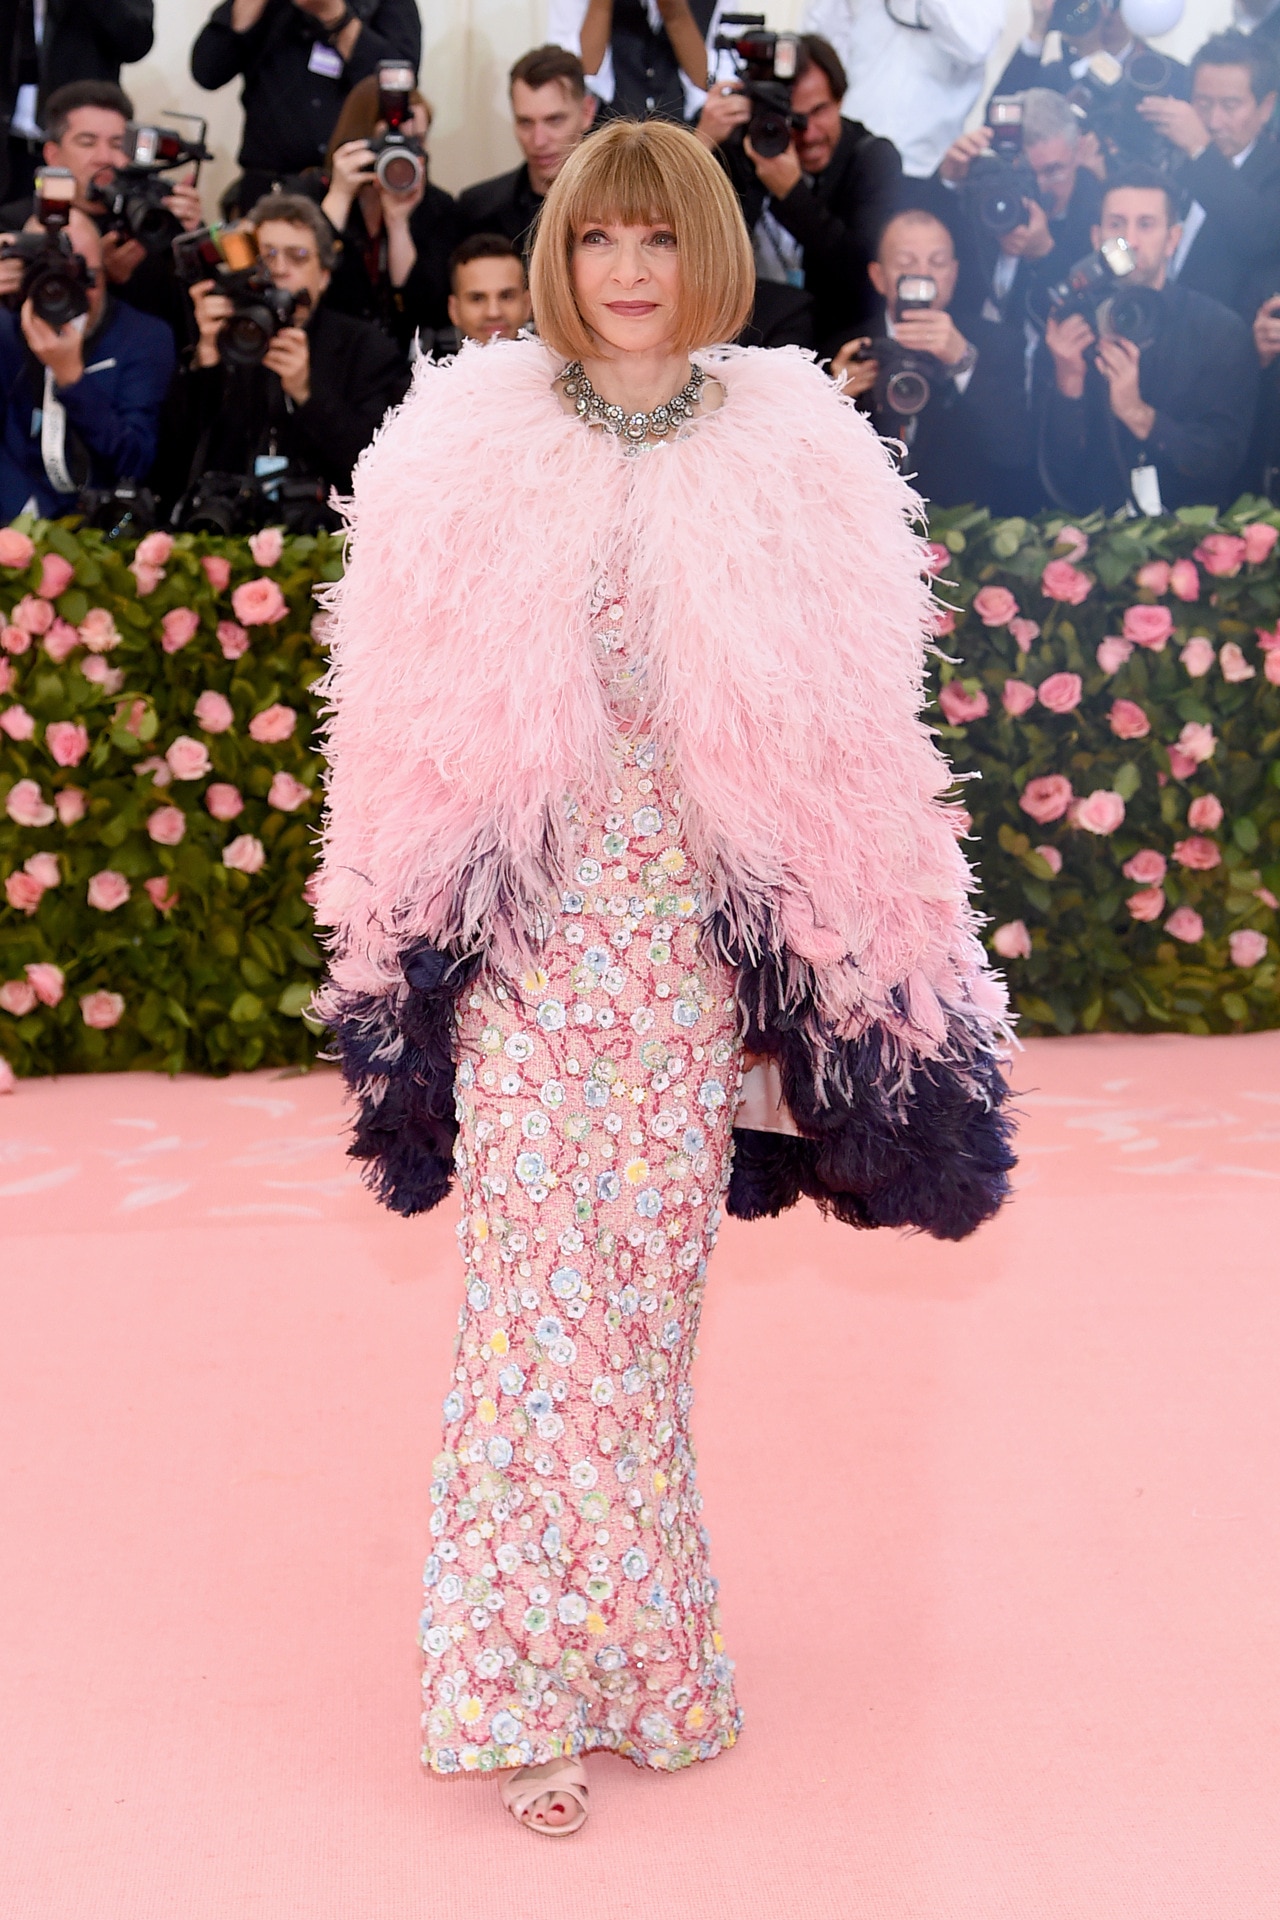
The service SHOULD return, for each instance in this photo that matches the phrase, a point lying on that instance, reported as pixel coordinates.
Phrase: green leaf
(1126, 780)
(1245, 833)
(1235, 1006)
(295, 999)
(73, 605)
(246, 1008)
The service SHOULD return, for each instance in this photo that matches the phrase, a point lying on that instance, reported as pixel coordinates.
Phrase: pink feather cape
(777, 586)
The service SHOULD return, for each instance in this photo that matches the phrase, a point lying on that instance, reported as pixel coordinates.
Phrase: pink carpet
(997, 1526)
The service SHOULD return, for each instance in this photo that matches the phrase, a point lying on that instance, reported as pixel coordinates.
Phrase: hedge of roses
(1114, 684)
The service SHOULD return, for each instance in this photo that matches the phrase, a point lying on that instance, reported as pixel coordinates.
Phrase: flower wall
(1109, 694)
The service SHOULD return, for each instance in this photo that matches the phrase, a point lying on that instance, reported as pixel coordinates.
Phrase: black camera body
(118, 511)
(767, 64)
(1106, 100)
(56, 279)
(229, 257)
(400, 162)
(905, 378)
(241, 503)
(1098, 287)
(999, 184)
(131, 198)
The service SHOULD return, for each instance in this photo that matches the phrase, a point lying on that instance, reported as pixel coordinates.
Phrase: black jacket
(836, 218)
(290, 112)
(1120, 128)
(506, 204)
(1235, 257)
(1201, 376)
(83, 40)
(361, 286)
(978, 251)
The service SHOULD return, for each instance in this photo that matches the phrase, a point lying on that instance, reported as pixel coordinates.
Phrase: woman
(394, 265)
(626, 773)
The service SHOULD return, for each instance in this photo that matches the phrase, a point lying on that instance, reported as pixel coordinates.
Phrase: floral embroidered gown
(569, 1604)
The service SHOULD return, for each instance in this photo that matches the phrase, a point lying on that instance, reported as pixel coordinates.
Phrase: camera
(999, 182)
(229, 257)
(56, 279)
(240, 503)
(118, 511)
(399, 161)
(905, 378)
(767, 65)
(1106, 99)
(1097, 288)
(131, 198)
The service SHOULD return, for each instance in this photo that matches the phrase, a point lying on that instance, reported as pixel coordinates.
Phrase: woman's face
(627, 283)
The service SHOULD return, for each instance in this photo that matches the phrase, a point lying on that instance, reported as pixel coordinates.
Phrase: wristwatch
(967, 362)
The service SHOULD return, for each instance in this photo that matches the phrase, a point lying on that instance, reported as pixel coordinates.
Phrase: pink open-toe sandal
(565, 1779)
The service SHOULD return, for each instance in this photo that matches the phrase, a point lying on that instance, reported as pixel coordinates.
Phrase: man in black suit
(42, 49)
(1161, 426)
(1230, 246)
(813, 212)
(1093, 57)
(551, 111)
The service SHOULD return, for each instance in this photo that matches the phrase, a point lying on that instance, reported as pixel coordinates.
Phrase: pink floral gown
(569, 1605)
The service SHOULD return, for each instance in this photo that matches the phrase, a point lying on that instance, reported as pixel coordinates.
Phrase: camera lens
(399, 170)
(57, 298)
(769, 132)
(1134, 315)
(245, 336)
(906, 392)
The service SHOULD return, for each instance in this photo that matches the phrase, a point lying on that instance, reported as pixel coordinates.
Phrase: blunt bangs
(645, 173)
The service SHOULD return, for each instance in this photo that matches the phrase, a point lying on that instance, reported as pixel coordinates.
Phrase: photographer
(1230, 245)
(970, 439)
(637, 66)
(1164, 425)
(318, 393)
(394, 263)
(552, 109)
(299, 60)
(44, 47)
(82, 400)
(1083, 28)
(813, 212)
(1262, 469)
(1060, 213)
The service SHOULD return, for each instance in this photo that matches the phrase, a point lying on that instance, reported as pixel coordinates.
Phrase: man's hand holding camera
(727, 107)
(61, 349)
(1117, 360)
(288, 355)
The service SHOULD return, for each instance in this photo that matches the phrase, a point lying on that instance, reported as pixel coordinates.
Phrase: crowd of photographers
(1074, 304)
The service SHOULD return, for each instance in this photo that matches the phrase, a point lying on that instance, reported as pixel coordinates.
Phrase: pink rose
(147, 579)
(224, 801)
(246, 854)
(1024, 632)
(1198, 655)
(1051, 857)
(99, 674)
(102, 1009)
(1198, 853)
(1075, 540)
(287, 793)
(1248, 947)
(1185, 924)
(1061, 581)
(1181, 765)
(1221, 554)
(167, 826)
(179, 626)
(154, 549)
(1012, 941)
(99, 631)
(18, 997)
(56, 575)
(1271, 667)
(277, 723)
(67, 741)
(1128, 721)
(1046, 798)
(71, 803)
(936, 556)
(1147, 905)
(17, 723)
(1268, 637)
(16, 550)
(944, 621)
(233, 639)
(1148, 626)
(108, 890)
(158, 890)
(44, 869)
(1061, 692)
(214, 712)
(188, 759)
(267, 546)
(32, 615)
(258, 603)
(1264, 894)
(1102, 811)
(14, 640)
(1146, 868)
(129, 715)
(23, 893)
(960, 818)
(322, 628)
(958, 707)
(1018, 696)
(1184, 580)
(1154, 576)
(1258, 539)
(994, 606)
(160, 770)
(1233, 663)
(1205, 814)
(1113, 652)
(1197, 740)
(217, 571)
(46, 980)
(61, 640)
(25, 805)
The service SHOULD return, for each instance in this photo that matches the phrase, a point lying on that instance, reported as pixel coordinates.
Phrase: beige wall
(467, 47)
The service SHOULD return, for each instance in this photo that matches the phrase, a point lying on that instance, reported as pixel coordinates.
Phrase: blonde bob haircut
(635, 173)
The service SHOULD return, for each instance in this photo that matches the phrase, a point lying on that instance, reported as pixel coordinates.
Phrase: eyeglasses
(296, 256)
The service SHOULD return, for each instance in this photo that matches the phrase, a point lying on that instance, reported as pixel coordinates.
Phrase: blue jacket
(113, 410)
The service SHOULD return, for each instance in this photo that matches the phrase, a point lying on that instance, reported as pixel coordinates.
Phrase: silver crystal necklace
(632, 427)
